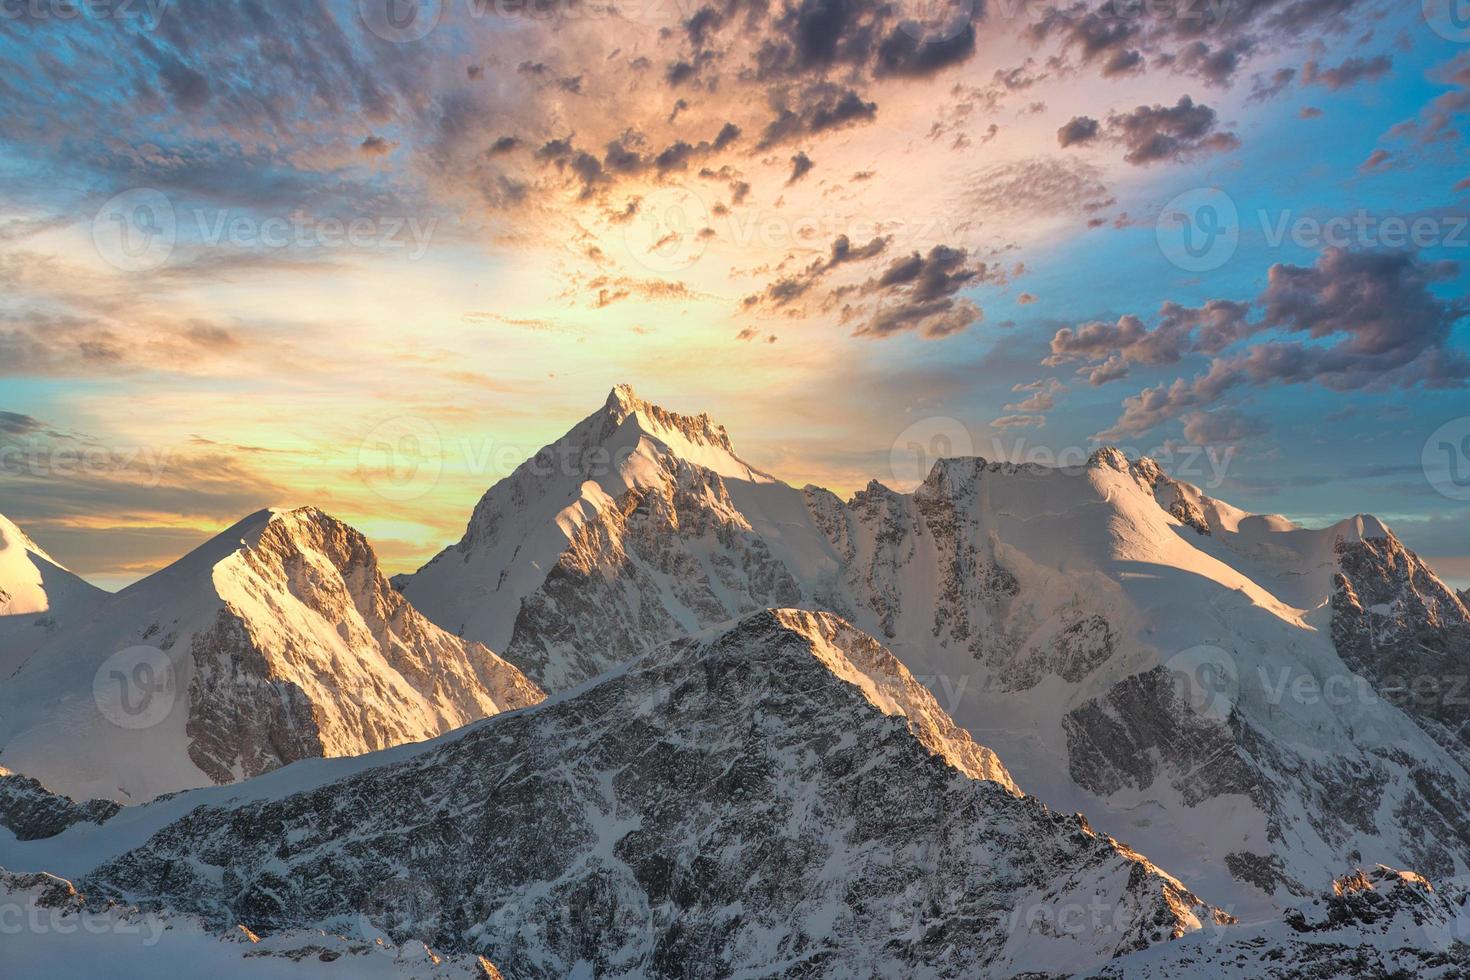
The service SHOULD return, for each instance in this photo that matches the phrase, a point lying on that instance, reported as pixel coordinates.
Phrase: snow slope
(38, 596)
(275, 641)
(777, 796)
(1173, 666)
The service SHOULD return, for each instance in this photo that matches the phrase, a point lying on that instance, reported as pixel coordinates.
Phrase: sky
(372, 255)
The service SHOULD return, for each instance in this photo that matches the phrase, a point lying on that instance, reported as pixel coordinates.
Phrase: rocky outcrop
(31, 812)
(1377, 922)
(1395, 622)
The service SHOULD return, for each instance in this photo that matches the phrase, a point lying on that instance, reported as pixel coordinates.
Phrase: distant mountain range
(787, 734)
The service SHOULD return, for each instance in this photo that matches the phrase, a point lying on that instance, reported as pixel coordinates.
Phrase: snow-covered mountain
(1217, 682)
(778, 796)
(278, 640)
(38, 596)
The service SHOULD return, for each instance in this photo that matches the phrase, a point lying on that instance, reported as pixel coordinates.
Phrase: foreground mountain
(37, 596)
(276, 641)
(778, 797)
(1227, 685)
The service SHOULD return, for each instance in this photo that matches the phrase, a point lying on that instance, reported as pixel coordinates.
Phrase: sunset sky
(252, 253)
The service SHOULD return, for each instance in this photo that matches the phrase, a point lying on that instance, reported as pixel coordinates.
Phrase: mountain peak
(12, 536)
(623, 403)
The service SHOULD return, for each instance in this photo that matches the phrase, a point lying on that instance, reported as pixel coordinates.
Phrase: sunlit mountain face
(662, 488)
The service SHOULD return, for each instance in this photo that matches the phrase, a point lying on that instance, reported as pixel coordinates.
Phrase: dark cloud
(787, 289)
(1208, 41)
(918, 293)
(1370, 318)
(1350, 72)
(801, 165)
(16, 424)
(816, 109)
(1181, 330)
(1265, 88)
(375, 145)
(1175, 133)
(1081, 129)
(1440, 120)
(1222, 427)
(906, 54)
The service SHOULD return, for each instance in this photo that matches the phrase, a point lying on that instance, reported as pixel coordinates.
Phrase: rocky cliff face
(1395, 622)
(776, 798)
(278, 641)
